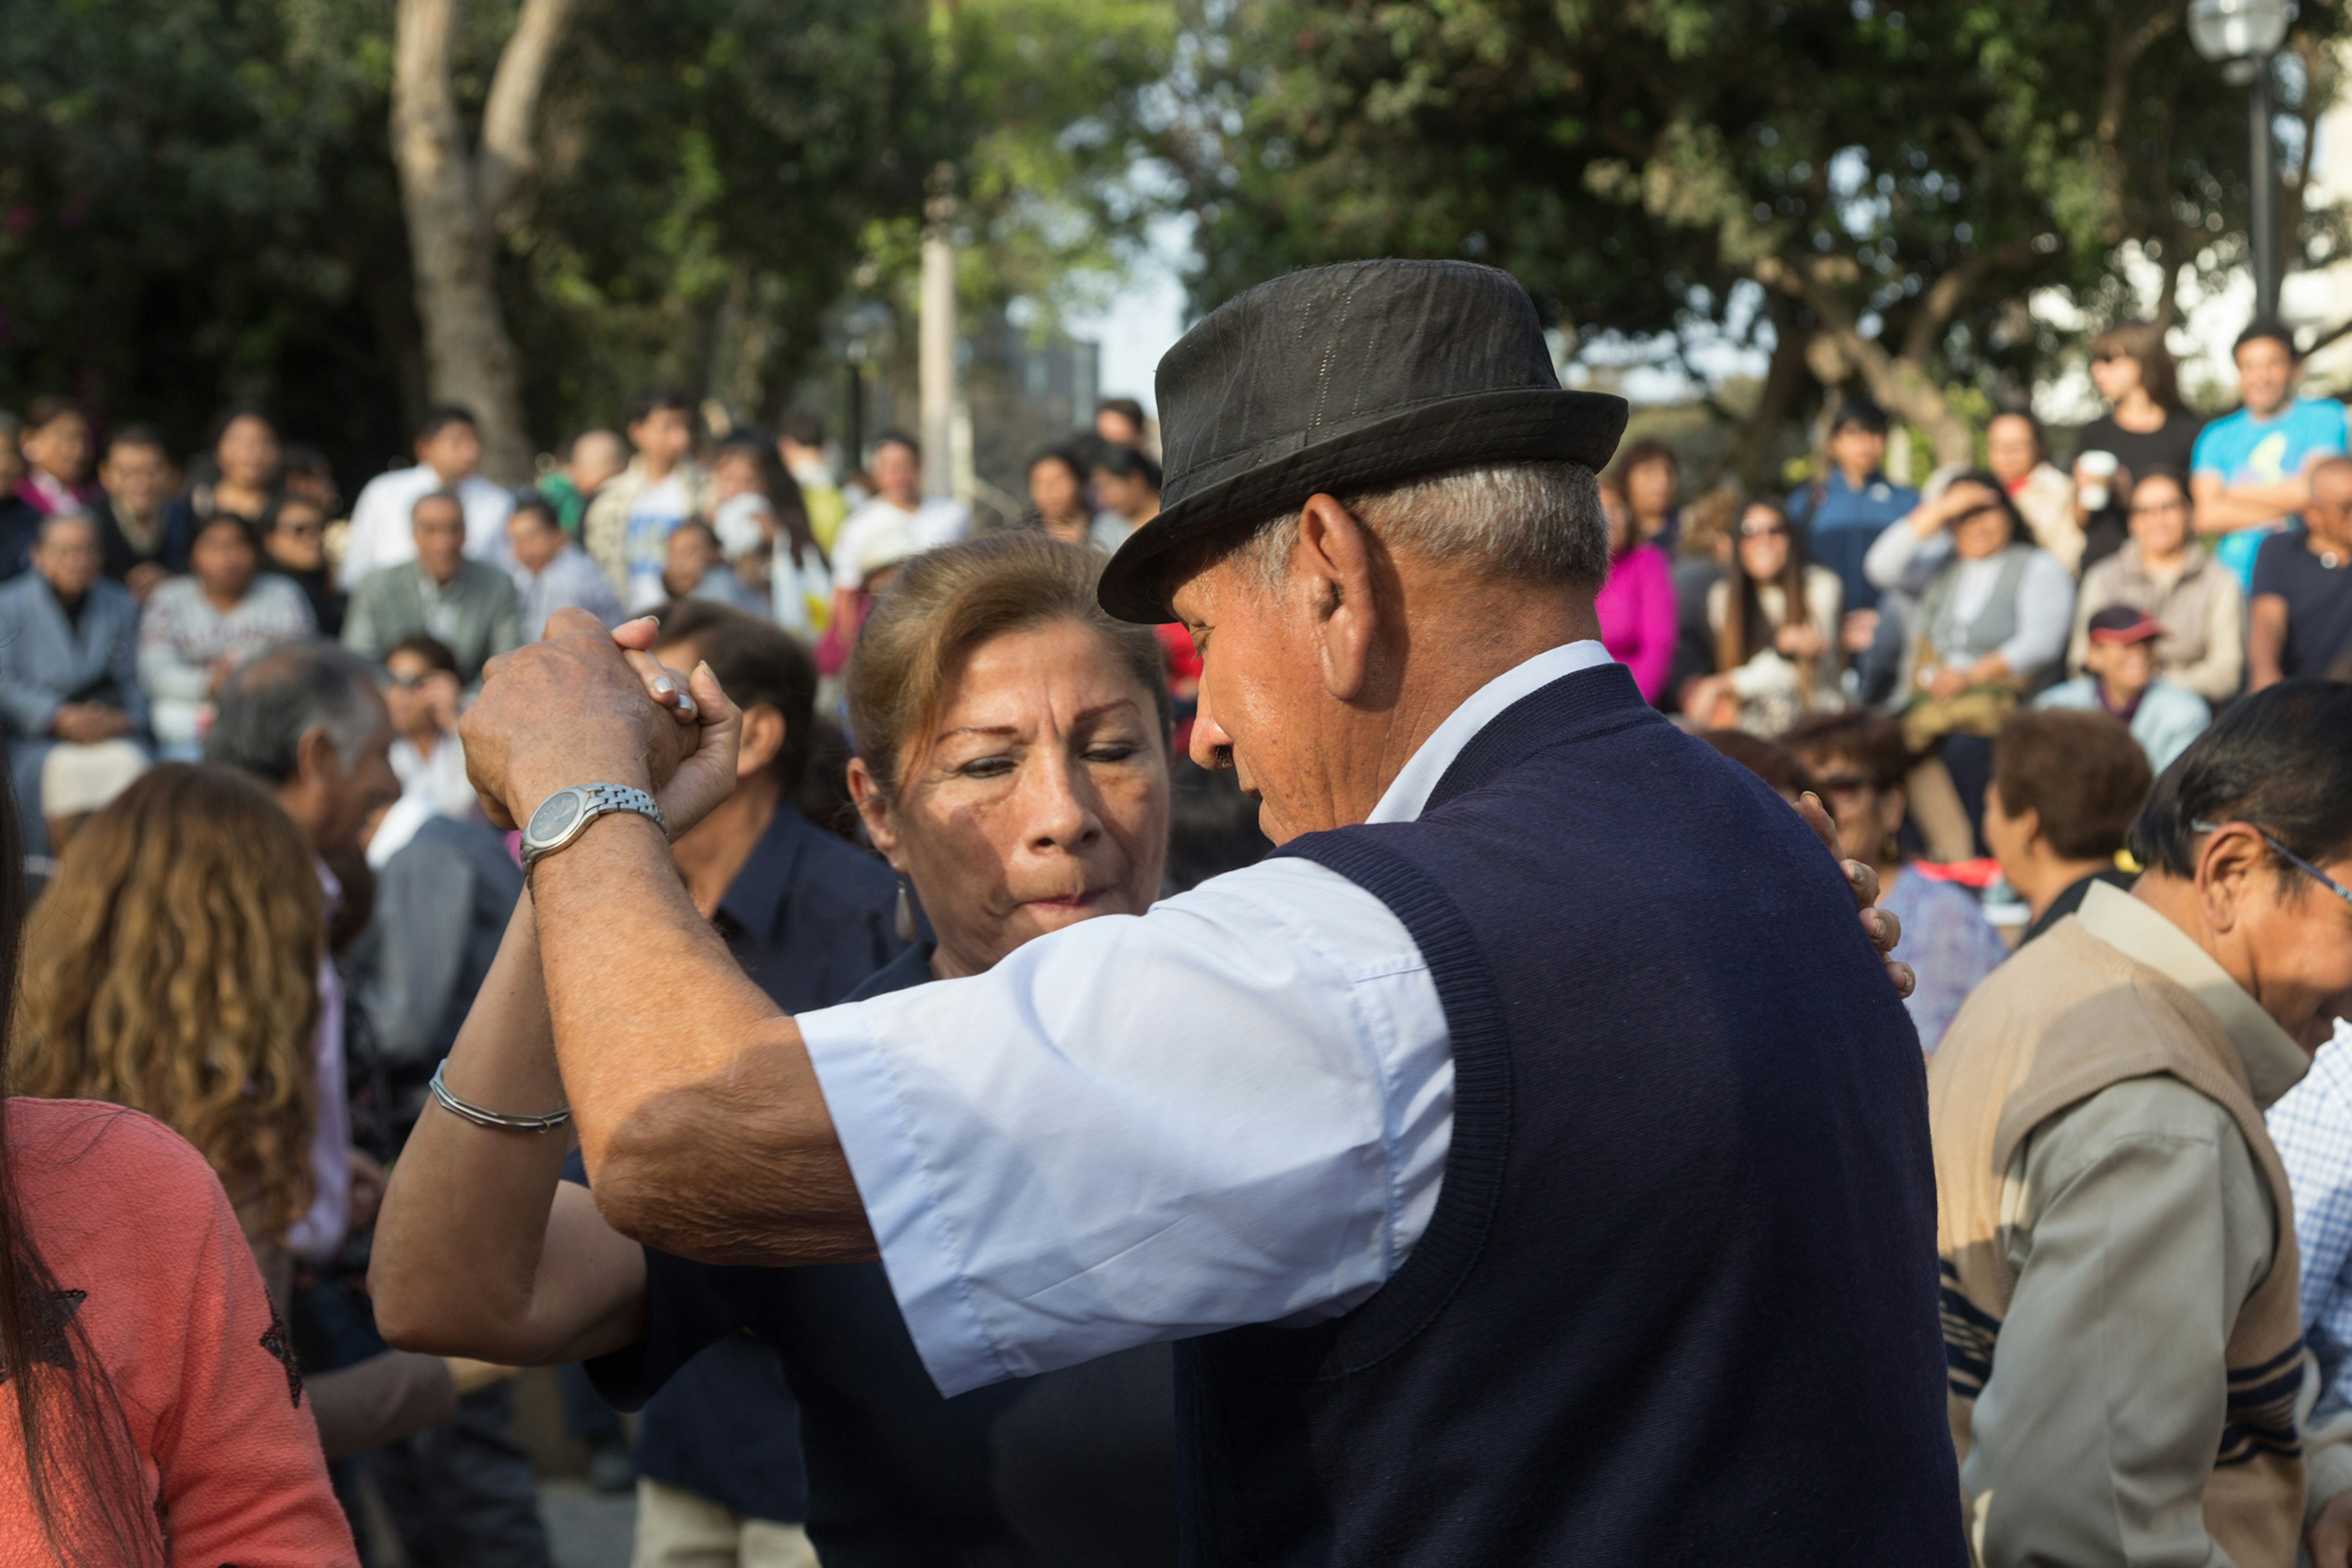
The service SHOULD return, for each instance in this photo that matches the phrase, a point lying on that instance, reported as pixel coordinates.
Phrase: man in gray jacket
(468, 606)
(68, 673)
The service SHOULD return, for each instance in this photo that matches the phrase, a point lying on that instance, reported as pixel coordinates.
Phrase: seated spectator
(54, 444)
(199, 628)
(2301, 620)
(589, 463)
(2121, 1304)
(138, 540)
(695, 568)
(1650, 479)
(421, 693)
(2017, 453)
(551, 572)
(294, 538)
(242, 477)
(898, 508)
(628, 527)
(1774, 617)
(78, 781)
(1842, 510)
(2163, 570)
(2122, 681)
(2251, 472)
(1859, 761)
(1127, 483)
(1703, 558)
(2144, 430)
(448, 450)
(1057, 504)
(1992, 621)
(2065, 787)
(304, 472)
(1636, 604)
(800, 446)
(468, 606)
(68, 673)
(760, 516)
(1775, 765)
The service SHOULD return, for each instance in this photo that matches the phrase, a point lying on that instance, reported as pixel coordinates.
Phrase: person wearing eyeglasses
(2118, 1237)
(294, 538)
(2164, 571)
(1774, 620)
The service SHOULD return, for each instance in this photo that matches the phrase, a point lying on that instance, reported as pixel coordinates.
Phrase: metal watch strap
(603, 800)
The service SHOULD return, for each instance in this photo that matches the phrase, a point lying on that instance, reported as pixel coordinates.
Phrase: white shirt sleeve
(1232, 1109)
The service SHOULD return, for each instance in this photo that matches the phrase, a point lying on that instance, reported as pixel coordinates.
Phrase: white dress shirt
(380, 534)
(1233, 1109)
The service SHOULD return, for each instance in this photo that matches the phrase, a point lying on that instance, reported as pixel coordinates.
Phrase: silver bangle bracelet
(491, 1119)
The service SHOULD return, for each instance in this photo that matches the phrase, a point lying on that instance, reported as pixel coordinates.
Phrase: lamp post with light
(2242, 35)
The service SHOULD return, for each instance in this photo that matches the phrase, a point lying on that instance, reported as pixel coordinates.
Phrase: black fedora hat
(1342, 378)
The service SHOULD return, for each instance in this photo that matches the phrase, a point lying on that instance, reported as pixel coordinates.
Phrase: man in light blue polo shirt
(2250, 469)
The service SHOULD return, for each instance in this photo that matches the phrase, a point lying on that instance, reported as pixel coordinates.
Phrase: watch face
(554, 816)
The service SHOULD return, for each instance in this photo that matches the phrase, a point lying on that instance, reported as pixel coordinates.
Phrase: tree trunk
(453, 204)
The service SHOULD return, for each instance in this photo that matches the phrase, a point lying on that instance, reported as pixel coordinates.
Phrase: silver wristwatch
(565, 814)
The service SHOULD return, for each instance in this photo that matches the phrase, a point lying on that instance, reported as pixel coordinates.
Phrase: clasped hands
(584, 705)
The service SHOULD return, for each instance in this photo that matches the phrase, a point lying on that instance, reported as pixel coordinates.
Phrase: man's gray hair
(1537, 521)
(429, 497)
(268, 706)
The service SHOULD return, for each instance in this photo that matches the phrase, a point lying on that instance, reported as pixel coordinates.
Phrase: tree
(1873, 190)
(455, 204)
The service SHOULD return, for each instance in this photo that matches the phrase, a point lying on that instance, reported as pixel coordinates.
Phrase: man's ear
(2232, 859)
(763, 737)
(315, 762)
(1331, 565)
(874, 811)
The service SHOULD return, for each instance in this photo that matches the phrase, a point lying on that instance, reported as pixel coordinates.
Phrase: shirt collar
(1408, 793)
(2273, 1062)
(757, 894)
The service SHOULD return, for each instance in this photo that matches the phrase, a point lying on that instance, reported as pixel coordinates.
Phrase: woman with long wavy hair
(149, 1409)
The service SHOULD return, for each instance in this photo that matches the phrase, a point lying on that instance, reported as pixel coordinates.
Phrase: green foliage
(197, 201)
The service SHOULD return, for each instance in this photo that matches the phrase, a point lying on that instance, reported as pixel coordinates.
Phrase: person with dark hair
(627, 528)
(899, 509)
(294, 538)
(1649, 476)
(2300, 621)
(1127, 483)
(2251, 471)
(593, 460)
(69, 663)
(1118, 421)
(137, 536)
(693, 567)
(552, 572)
(1636, 601)
(1860, 764)
(1689, 1088)
(448, 450)
(1775, 765)
(2122, 1309)
(2120, 679)
(1057, 504)
(303, 470)
(763, 529)
(800, 446)
(245, 468)
(54, 446)
(150, 1414)
(421, 691)
(2144, 430)
(468, 605)
(2163, 570)
(2017, 453)
(1843, 508)
(1774, 622)
(198, 629)
(2065, 787)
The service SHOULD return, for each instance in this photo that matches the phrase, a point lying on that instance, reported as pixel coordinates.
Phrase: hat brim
(1518, 425)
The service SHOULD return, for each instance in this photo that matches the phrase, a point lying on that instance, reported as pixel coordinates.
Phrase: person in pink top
(150, 1409)
(1636, 604)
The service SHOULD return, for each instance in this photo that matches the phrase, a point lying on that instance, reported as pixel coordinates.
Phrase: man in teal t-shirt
(2250, 469)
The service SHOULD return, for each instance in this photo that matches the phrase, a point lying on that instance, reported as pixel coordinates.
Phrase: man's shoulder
(492, 582)
(2083, 691)
(2177, 702)
(2153, 1108)
(386, 485)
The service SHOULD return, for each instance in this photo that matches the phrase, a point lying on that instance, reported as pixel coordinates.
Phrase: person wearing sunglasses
(1774, 621)
(2119, 1238)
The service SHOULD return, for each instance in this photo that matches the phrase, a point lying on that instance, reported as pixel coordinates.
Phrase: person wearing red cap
(2119, 678)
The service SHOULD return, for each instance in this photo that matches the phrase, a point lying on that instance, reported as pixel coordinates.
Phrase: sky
(1146, 317)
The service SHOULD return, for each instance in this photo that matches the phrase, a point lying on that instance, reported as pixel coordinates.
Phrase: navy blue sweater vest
(1677, 1302)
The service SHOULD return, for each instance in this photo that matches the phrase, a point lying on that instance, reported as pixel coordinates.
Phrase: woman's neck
(2138, 413)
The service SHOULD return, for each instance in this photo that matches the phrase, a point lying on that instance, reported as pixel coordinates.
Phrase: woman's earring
(906, 932)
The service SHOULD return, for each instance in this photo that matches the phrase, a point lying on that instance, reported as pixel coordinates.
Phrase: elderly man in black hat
(1532, 1153)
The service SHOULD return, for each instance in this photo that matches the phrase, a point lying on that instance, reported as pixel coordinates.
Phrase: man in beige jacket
(2127, 1379)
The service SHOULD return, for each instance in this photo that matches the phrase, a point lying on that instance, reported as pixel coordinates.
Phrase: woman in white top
(1775, 620)
(198, 629)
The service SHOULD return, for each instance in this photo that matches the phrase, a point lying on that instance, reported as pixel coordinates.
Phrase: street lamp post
(2242, 35)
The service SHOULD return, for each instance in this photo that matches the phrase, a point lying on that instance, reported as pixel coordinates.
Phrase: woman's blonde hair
(172, 966)
(943, 605)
